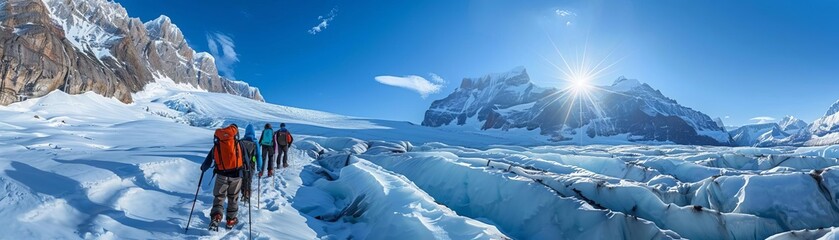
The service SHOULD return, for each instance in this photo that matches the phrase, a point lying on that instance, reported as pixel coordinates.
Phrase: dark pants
(282, 153)
(226, 187)
(246, 182)
(267, 156)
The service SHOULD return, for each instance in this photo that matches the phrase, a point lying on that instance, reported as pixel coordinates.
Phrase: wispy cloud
(566, 15)
(415, 83)
(223, 50)
(436, 78)
(763, 119)
(324, 21)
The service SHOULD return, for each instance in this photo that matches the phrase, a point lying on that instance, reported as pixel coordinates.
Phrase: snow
(520, 206)
(493, 77)
(792, 124)
(91, 167)
(370, 198)
(81, 30)
(833, 109)
(825, 130)
(623, 84)
(819, 234)
(758, 134)
(517, 108)
(163, 86)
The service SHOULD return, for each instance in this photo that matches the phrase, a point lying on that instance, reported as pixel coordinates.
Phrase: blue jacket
(250, 134)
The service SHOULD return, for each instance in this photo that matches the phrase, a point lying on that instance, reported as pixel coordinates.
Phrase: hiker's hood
(250, 133)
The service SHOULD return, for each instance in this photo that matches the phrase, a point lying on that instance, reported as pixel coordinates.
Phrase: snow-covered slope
(719, 123)
(627, 111)
(759, 135)
(792, 124)
(825, 130)
(86, 166)
(821, 132)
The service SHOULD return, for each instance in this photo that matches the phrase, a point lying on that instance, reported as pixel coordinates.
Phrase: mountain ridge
(628, 107)
(94, 45)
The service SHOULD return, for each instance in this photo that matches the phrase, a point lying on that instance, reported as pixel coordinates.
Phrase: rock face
(628, 110)
(92, 45)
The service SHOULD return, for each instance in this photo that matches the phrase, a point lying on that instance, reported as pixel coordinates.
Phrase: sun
(580, 84)
(579, 93)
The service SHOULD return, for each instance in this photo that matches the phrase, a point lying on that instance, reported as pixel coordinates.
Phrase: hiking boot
(285, 165)
(215, 222)
(270, 172)
(232, 222)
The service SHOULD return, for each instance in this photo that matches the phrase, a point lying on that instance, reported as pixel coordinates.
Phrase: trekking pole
(193, 201)
(250, 220)
(258, 191)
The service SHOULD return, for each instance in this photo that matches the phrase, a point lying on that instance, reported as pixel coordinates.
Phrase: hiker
(253, 150)
(229, 158)
(282, 140)
(267, 142)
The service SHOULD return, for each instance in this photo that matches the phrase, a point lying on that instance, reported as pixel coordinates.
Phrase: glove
(260, 174)
(204, 167)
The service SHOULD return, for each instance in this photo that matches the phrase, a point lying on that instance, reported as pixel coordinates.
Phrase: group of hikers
(237, 160)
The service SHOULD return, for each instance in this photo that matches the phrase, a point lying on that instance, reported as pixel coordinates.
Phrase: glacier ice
(129, 170)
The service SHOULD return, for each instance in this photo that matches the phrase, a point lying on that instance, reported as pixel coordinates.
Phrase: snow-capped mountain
(719, 123)
(476, 97)
(792, 124)
(758, 135)
(628, 110)
(93, 45)
(825, 130)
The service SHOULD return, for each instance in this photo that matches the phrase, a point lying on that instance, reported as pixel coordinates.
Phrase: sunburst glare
(578, 94)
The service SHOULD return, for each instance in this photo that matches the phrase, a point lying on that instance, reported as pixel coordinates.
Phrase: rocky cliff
(93, 45)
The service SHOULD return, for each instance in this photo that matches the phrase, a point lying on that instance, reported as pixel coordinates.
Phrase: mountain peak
(833, 109)
(759, 134)
(162, 28)
(162, 19)
(719, 123)
(791, 124)
(158, 22)
(513, 77)
(623, 84)
(510, 100)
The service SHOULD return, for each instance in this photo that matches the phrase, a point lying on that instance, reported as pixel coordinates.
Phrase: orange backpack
(227, 154)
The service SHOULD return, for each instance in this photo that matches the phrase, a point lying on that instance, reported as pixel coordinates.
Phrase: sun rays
(578, 93)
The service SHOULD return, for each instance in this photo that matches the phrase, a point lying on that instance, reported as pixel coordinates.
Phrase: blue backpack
(267, 137)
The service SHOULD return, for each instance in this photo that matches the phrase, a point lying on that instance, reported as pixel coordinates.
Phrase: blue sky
(739, 60)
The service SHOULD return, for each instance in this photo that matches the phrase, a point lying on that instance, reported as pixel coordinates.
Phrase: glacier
(92, 167)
